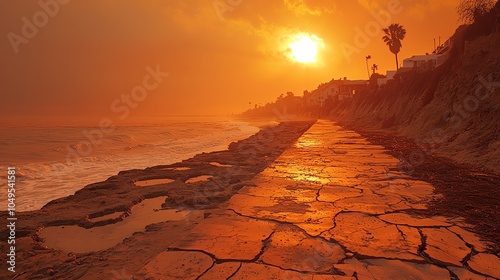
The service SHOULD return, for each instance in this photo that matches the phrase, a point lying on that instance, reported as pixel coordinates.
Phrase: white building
(433, 60)
(436, 59)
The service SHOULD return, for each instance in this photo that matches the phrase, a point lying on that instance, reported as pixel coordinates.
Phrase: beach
(300, 200)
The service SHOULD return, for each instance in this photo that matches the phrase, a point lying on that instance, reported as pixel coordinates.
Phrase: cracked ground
(332, 206)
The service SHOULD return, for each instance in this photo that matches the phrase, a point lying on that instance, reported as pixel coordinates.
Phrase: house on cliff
(389, 76)
(424, 62)
(435, 59)
(337, 90)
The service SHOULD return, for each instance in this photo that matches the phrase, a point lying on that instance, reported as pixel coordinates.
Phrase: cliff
(451, 111)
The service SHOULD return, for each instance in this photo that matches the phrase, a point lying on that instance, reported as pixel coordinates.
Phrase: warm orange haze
(250, 139)
(219, 55)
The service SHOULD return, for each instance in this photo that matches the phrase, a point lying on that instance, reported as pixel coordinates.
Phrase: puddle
(311, 178)
(220, 165)
(305, 142)
(111, 216)
(80, 240)
(153, 182)
(198, 179)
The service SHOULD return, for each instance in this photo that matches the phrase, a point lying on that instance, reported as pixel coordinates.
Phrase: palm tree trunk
(397, 62)
(367, 69)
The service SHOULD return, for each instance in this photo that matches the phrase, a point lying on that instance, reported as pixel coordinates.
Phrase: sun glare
(304, 48)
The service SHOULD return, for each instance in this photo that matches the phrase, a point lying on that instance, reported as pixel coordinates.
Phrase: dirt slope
(451, 111)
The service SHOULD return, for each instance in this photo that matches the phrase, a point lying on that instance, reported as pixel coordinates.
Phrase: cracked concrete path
(333, 206)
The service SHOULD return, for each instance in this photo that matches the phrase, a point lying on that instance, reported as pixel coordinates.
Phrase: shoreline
(246, 157)
(46, 173)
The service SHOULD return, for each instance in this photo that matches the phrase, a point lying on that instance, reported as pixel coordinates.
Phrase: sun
(304, 48)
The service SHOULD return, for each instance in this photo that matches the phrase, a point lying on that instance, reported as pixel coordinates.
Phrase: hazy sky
(220, 55)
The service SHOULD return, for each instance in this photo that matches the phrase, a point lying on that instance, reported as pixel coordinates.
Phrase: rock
(411, 236)
(414, 192)
(445, 246)
(260, 271)
(471, 238)
(371, 203)
(285, 201)
(221, 271)
(332, 194)
(405, 219)
(176, 265)
(487, 264)
(369, 236)
(392, 269)
(464, 274)
(332, 277)
(289, 248)
(228, 236)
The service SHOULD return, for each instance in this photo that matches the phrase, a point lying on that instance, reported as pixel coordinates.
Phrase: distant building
(389, 76)
(435, 59)
(426, 61)
(337, 90)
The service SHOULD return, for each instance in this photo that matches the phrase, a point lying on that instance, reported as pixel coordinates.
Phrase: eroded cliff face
(451, 111)
(462, 121)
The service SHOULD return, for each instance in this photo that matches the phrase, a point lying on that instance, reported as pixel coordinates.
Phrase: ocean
(54, 161)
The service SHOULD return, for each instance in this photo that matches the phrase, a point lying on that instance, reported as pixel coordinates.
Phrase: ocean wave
(46, 173)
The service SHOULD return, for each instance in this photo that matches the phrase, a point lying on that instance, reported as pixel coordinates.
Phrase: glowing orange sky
(91, 52)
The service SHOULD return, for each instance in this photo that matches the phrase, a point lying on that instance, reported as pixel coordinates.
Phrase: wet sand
(292, 202)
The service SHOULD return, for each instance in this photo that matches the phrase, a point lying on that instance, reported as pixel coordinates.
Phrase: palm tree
(393, 36)
(374, 68)
(368, 57)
